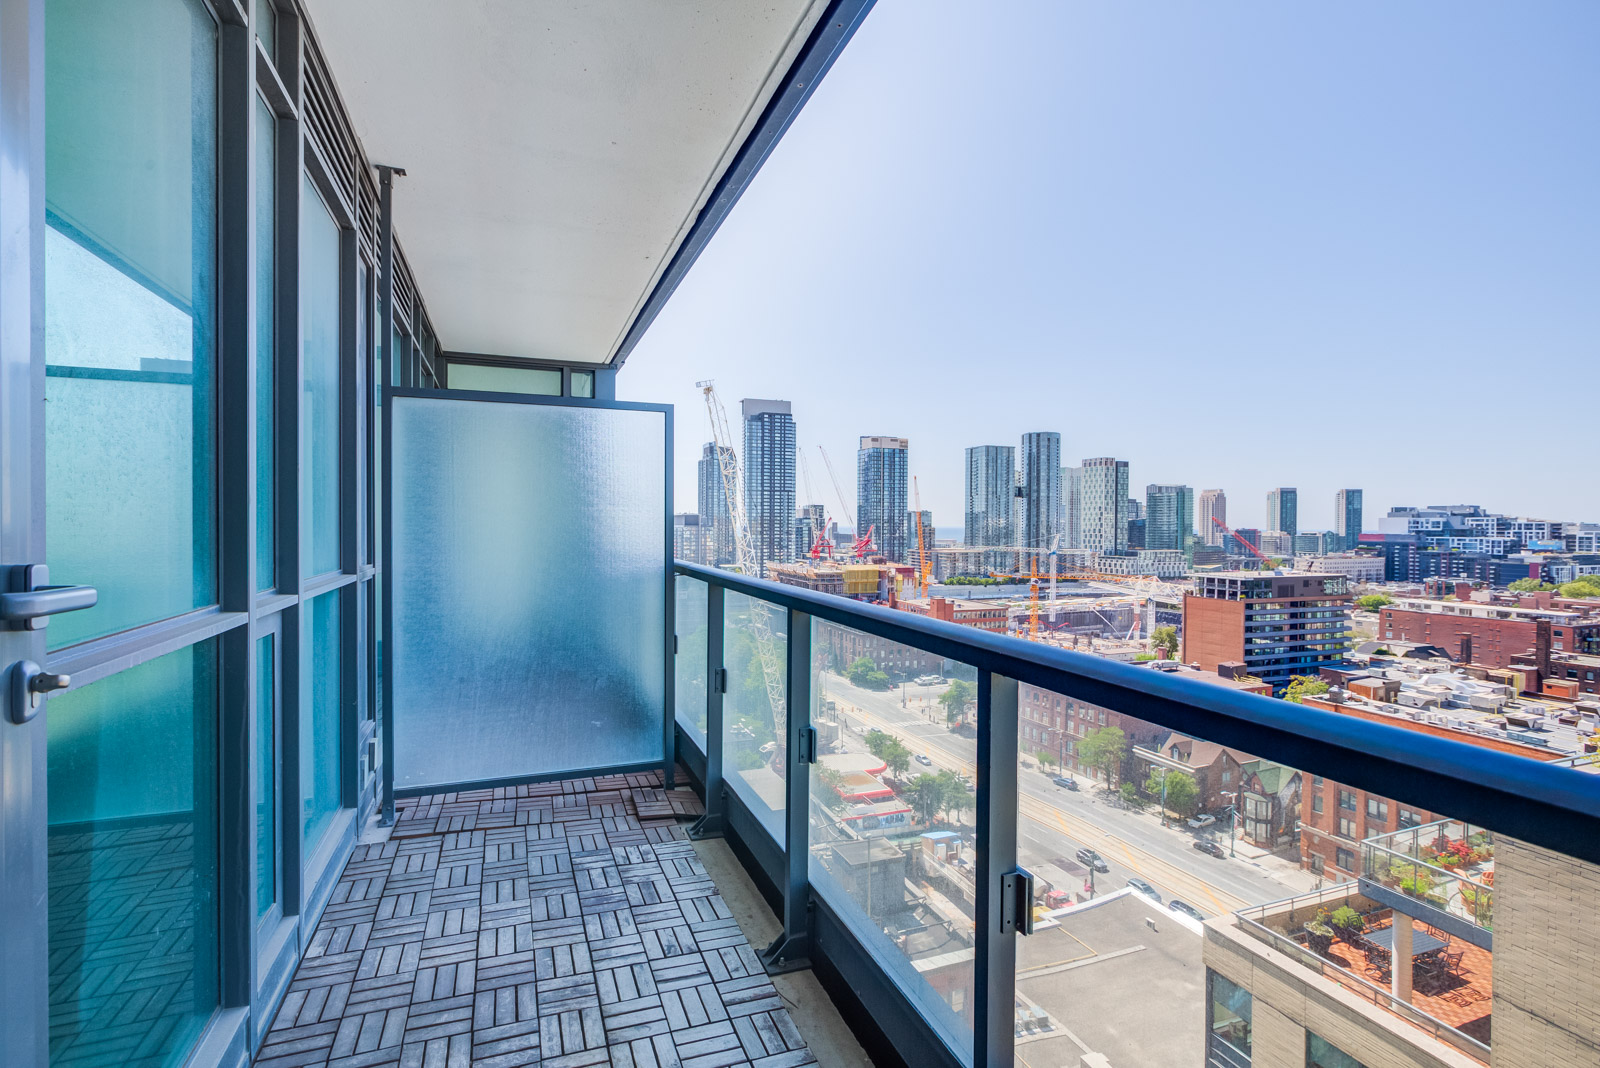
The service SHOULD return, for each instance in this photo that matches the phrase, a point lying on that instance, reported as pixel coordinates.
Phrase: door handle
(30, 686)
(31, 600)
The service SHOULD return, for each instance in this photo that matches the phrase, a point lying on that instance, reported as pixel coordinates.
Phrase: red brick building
(1335, 817)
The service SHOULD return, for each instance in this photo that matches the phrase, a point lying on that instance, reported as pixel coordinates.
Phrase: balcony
(1446, 866)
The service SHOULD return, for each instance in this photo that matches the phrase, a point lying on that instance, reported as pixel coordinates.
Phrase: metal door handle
(31, 600)
(30, 686)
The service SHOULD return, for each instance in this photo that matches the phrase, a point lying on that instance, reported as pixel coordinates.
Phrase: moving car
(1146, 889)
(1093, 859)
(1066, 782)
(1205, 819)
(923, 759)
(1212, 848)
(1187, 909)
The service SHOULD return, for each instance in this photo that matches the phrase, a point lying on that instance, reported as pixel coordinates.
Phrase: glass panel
(893, 826)
(529, 583)
(266, 776)
(755, 650)
(1227, 1022)
(319, 436)
(266, 25)
(538, 380)
(266, 309)
(1323, 1054)
(129, 253)
(583, 383)
(133, 863)
(690, 664)
(321, 695)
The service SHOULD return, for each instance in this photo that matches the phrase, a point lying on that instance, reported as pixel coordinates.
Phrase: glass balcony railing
(1447, 865)
(1014, 853)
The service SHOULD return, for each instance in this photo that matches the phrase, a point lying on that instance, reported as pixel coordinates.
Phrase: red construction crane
(1238, 538)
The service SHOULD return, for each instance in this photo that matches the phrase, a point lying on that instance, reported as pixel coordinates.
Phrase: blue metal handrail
(1555, 807)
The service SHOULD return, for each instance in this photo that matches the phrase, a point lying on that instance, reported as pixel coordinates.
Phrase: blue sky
(1239, 245)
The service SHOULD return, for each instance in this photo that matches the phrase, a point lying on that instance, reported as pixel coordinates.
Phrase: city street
(1056, 822)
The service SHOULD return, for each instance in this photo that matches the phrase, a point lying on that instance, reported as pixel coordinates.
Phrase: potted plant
(1347, 923)
(1319, 935)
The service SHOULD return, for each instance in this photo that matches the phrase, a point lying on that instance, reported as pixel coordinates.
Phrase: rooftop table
(1422, 943)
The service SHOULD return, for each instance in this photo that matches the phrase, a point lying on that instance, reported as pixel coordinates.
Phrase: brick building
(985, 615)
(1494, 635)
(1280, 625)
(1334, 817)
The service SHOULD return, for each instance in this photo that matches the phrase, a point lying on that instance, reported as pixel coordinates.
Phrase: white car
(924, 760)
(1205, 819)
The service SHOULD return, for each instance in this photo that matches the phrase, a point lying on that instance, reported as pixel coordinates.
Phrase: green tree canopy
(1582, 586)
(898, 757)
(826, 785)
(1529, 585)
(953, 796)
(1164, 640)
(1374, 601)
(1303, 686)
(926, 798)
(1104, 748)
(1182, 792)
(865, 674)
(1046, 758)
(956, 699)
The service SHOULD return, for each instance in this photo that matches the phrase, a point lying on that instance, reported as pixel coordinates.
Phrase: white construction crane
(732, 471)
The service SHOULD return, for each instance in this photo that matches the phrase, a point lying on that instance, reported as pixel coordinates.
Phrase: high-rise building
(1169, 517)
(716, 528)
(1104, 508)
(1041, 488)
(990, 482)
(769, 479)
(1278, 625)
(688, 538)
(912, 555)
(1347, 517)
(1072, 507)
(809, 521)
(1283, 510)
(1213, 506)
(883, 475)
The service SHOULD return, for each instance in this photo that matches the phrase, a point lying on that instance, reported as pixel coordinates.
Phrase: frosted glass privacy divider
(689, 617)
(529, 562)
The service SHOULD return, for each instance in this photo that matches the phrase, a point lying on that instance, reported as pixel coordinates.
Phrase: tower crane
(863, 541)
(1240, 539)
(732, 472)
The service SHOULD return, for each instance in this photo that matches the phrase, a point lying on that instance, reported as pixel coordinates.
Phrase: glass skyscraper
(990, 483)
(1169, 517)
(716, 525)
(882, 477)
(769, 479)
(1283, 510)
(1347, 517)
(1104, 507)
(1041, 488)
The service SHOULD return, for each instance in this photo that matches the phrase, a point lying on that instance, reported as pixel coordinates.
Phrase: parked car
(927, 680)
(1094, 860)
(1187, 909)
(1205, 819)
(1145, 888)
(1066, 782)
(923, 759)
(1211, 848)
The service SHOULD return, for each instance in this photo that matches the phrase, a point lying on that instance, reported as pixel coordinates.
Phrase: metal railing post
(791, 950)
(996, 964)
(710, 825)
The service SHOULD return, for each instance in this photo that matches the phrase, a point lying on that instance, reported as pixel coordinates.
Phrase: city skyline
(1131, 290)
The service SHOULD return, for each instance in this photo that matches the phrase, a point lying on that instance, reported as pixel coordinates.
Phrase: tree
(1181, 791)
(878, 743)
(1046, 758)
(1164, 640)
(1303, 686)
(898, 757)
(1374, 601)
(956, 699)
(1582, 586)
(926, 798)
(1104, 748)
(1531, 585)
(953, 796)
(865, 674)
(1131, 796)
(826, 786)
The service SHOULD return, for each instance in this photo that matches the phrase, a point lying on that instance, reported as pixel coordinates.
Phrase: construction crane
(732, 472)
(1241, 540)
(863, 541)
(924, 565)
(820, 546)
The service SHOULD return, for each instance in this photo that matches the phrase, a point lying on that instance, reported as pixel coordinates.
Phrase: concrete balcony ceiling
(556, 155)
